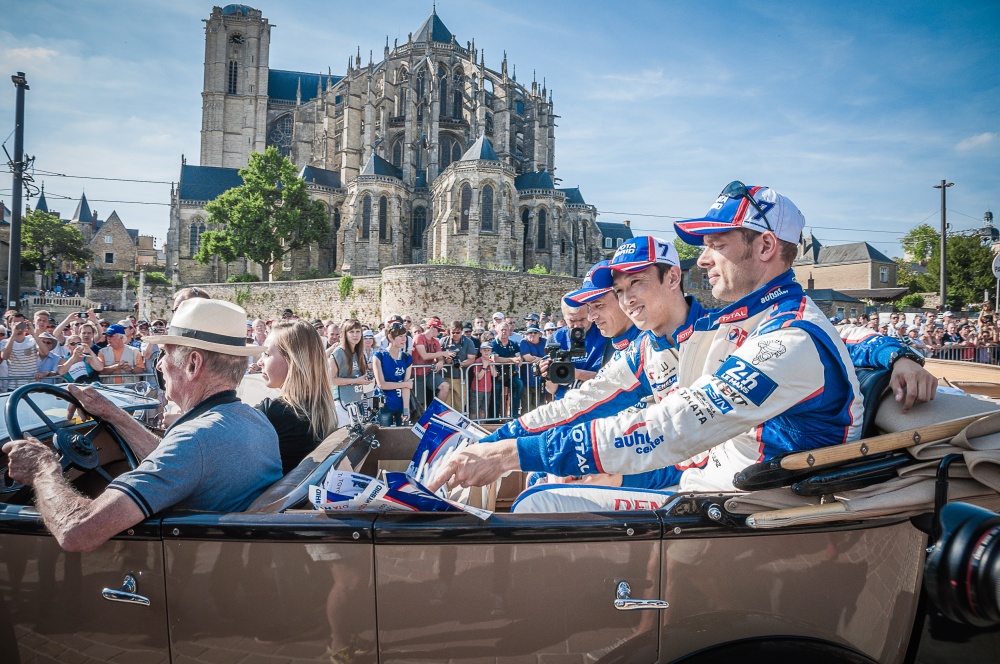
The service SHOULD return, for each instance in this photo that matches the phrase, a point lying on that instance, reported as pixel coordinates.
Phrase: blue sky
(852, 109)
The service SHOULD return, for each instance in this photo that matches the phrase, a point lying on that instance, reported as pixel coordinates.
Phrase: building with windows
(424, 154)
(857, 269)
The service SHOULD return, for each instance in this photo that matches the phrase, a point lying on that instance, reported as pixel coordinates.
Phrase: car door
(104, 605)
(835, 589)
(515, 588)
(287, 587)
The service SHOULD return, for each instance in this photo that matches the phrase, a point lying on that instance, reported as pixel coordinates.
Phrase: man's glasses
(737, 189)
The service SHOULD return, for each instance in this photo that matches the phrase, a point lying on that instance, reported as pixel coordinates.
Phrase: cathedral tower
(234, 97)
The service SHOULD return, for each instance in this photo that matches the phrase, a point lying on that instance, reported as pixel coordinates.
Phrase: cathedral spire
(387, 47)
(298, 93)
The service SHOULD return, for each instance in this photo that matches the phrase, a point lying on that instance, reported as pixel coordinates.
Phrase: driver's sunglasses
(737, 189)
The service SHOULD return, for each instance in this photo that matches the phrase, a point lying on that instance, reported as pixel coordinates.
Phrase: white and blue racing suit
(767, 374)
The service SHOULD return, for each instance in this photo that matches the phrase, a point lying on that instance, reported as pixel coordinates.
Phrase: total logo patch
(684, 335)
(737, 335)
(746, 379)
(735, 315)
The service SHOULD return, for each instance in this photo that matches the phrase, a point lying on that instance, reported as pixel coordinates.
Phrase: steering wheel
(74, 448)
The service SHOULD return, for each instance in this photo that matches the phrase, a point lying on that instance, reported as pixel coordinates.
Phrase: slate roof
(42, 204)
(205, 183)
(378, 166)
(574, 197)
(433, 30)
(534, 180)
(615, 230)
(877, 293)
(829, 295)
(283, 84)
(855, 252)
(482, 149)
(83, 214)
(321, 177)
(686, 263)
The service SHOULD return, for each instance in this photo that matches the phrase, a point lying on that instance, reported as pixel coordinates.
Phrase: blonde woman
(294, 362)
(348, 367)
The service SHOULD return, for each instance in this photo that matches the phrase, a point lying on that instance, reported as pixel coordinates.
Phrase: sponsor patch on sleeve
(717, 399)
(746, 379)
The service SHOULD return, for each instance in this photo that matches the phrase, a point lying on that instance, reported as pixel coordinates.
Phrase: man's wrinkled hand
(911, 383)
(29, 458)
(95, 403)
(478, 465)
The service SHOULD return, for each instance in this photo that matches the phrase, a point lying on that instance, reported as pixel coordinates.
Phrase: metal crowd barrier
(132, 381)
(978, 354)
(513, 389)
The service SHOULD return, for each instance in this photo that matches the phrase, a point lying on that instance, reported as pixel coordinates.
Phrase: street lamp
(944, 241)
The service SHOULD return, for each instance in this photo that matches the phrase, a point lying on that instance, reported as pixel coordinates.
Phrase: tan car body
(300, 585)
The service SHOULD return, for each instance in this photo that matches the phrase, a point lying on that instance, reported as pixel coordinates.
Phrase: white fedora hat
(213, 325)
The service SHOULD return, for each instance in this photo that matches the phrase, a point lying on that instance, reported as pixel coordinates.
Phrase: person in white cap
(765, 375)
(218, 457)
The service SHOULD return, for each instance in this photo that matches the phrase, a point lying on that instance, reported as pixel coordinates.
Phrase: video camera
(561, 370)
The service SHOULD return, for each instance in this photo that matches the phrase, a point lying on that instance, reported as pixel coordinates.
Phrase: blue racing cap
(591, 289)
(114, 329)
(739, 206)
(635, 255)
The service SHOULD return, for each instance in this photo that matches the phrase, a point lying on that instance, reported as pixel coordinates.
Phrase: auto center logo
(735, 315)
(773, 295)
(638, 440)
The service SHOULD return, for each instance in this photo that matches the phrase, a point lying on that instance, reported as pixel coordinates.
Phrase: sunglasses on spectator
(737, 189)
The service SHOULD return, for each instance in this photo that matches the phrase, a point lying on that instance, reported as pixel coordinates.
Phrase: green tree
(685, 250)
(46, 242)
(920, 242)
(266, 217)
(969, 271)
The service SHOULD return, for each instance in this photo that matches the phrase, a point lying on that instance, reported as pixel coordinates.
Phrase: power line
(94, 177)
(92, 200)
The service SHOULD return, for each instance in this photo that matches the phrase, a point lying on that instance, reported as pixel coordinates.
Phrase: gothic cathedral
(425, 155)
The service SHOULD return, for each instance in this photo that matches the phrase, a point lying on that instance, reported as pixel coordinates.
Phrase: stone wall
(448, 291)
(310, 298)
(461, 293)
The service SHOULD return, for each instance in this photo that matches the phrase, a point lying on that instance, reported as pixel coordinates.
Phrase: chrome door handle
(126, 593)
(625, 603)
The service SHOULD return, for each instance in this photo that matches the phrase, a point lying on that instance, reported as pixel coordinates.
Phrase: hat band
(209, 337)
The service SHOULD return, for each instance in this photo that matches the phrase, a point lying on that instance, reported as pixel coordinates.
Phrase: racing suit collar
(622, 341)
(781, 287)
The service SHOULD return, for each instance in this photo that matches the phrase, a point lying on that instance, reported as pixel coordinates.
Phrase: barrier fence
(497, 392)
(144, 383)
(978, 354)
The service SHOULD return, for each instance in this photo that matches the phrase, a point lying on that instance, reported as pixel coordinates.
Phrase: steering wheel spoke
(76, 448)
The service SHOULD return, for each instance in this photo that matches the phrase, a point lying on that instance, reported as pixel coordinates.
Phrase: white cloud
(983, 140)
(28, 55)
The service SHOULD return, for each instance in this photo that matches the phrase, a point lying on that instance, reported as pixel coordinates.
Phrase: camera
(962, 574)
(561, 370)
(83, 314)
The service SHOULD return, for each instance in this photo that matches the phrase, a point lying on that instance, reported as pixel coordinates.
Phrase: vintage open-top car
(283, 582)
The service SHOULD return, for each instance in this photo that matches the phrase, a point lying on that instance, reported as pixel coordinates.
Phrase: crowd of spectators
(966, 336)
(488, 368)
(83, 348)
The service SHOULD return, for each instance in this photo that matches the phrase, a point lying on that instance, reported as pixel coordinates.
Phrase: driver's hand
(477, 465)
(911, 383)
(29, 458)
(94, 402)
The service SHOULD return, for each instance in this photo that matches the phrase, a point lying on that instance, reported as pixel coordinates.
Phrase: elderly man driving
(219, 456)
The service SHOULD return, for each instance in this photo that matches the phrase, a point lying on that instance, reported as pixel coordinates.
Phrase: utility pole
(14, 267)
(944, 243)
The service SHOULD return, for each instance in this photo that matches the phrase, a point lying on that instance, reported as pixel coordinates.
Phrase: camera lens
(560, 372)
(962, 576)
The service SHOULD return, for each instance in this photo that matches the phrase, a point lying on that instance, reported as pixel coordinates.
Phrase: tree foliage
(919, 243)
(46, 242)
(685, 250)
(266, 217)
(968, 268)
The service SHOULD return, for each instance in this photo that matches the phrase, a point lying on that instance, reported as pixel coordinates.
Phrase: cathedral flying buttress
(426, 154)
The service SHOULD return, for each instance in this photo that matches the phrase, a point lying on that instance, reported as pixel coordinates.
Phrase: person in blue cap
(765, 375)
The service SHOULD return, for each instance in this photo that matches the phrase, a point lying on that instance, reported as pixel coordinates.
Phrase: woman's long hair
(306, 388)
(358, 351)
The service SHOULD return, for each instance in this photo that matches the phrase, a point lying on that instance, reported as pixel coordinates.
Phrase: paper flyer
(399, 493)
